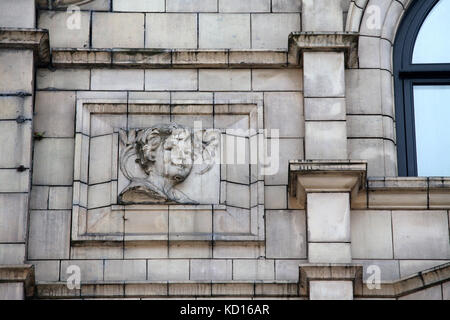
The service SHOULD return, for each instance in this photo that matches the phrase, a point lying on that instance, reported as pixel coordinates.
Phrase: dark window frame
(406, 75)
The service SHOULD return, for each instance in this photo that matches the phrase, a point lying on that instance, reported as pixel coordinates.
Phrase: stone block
(117, 30)
(328, 217)
(275, 197)
(244, 6)
(325, 109)
(363, 91)
(12, 107)
(324, 74)
(224, 80)
(168, 270)
(329, 253)
(371, 235)
(17, 14)
(420, 235)
(171, 30)
(284, 112)
(139, 5)
(12, 291)
(66, 79)
(18, 65)
(108, 251)
(271, 31)
(13, 217)
(12, 253)
(211, 270)
(371, 150)
(329, 11)
(412, 267)
(189, 249)
(277, 79)
(60, 198)
(369, 52)
(238, 195)
(103, 79)
(365, 126)
(289, 149)
(253, 270)
(151, 222)
(100, 5)
(234, 30)
(331, 290)
(446, 291)
(228, 249)
(67, 29)
(175, 79)
(433, 293)
(191, 5)
(46, 270)
(15, 139)
(149, 250)
(389, 269)
(55, 113)
(39, 197)
(90, 270)
(287, 270)
(53, 162)
(49, 236)
(286, 5)
(286, 234)
(13, 181)
(326, 140)
(125, 270)
(194, 223)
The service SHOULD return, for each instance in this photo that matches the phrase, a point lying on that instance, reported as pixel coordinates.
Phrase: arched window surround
(406, 75)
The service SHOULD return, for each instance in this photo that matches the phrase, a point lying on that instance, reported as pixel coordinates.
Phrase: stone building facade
(100, 107)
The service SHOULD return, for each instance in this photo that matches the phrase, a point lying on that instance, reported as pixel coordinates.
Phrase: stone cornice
(34, 39)
(166, 58)
(324, 41)
(19, 273)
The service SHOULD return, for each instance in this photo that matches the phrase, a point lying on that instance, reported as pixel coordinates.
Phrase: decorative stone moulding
(65, 3)
(34, 39)
(137, 175)
(347, 42)
(326, 176)
(23, 273)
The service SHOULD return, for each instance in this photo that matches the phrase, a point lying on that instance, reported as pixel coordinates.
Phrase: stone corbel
(326, 176)
(33, 39)
(324, 41)
(330, 272)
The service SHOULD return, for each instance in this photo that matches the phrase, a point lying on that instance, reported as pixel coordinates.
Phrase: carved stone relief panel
(149, 170)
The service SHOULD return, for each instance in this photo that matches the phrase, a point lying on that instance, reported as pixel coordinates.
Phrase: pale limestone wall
(400, 241)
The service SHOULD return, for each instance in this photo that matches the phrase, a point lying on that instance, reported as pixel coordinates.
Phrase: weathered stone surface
(46, 270)
(420, 235)
(67, 79)
(13, 215)
(325, 109)
(12, 253)
(139, 5)
(331, 290)
(329, 253)
(433, 293)
(371, 235)
(17, 14)
(67, 29)
(284, 112)
(125, 270)
(286, 234)
(53, 161)
(244, 6)
(233, 28)
(15, 139)
(287, 269)
(328, 217)
(171, 30)
(275, 197)
(117, 30)
(224, 80)
(165, 80)
(411, 267)
(13, 181)
(191, 5)
(60, 198)
(286, 5)
(271, 31)
(326, 140)
(55, 114)
(12, 291)
(168, 270)
(18, 65)
(253, 269)
(49, 235)
(90, 270)
(102, 79)
(329, 11)
(211, 270)
(277, 80)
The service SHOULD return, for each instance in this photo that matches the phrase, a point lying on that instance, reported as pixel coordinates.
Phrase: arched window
(422, 89)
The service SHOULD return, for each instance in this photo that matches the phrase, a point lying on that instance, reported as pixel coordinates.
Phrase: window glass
(432, 120)
(433, 41)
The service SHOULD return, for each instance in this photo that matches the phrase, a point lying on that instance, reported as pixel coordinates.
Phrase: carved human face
(175, 157)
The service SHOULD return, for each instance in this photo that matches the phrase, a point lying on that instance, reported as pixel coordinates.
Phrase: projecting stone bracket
(329, 41)
(34, 39)
(326, 176)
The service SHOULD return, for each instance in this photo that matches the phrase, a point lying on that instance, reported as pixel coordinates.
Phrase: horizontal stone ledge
(166, 58)
(346, 42)
(23, 273)
(164, 289)
(32, 39)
